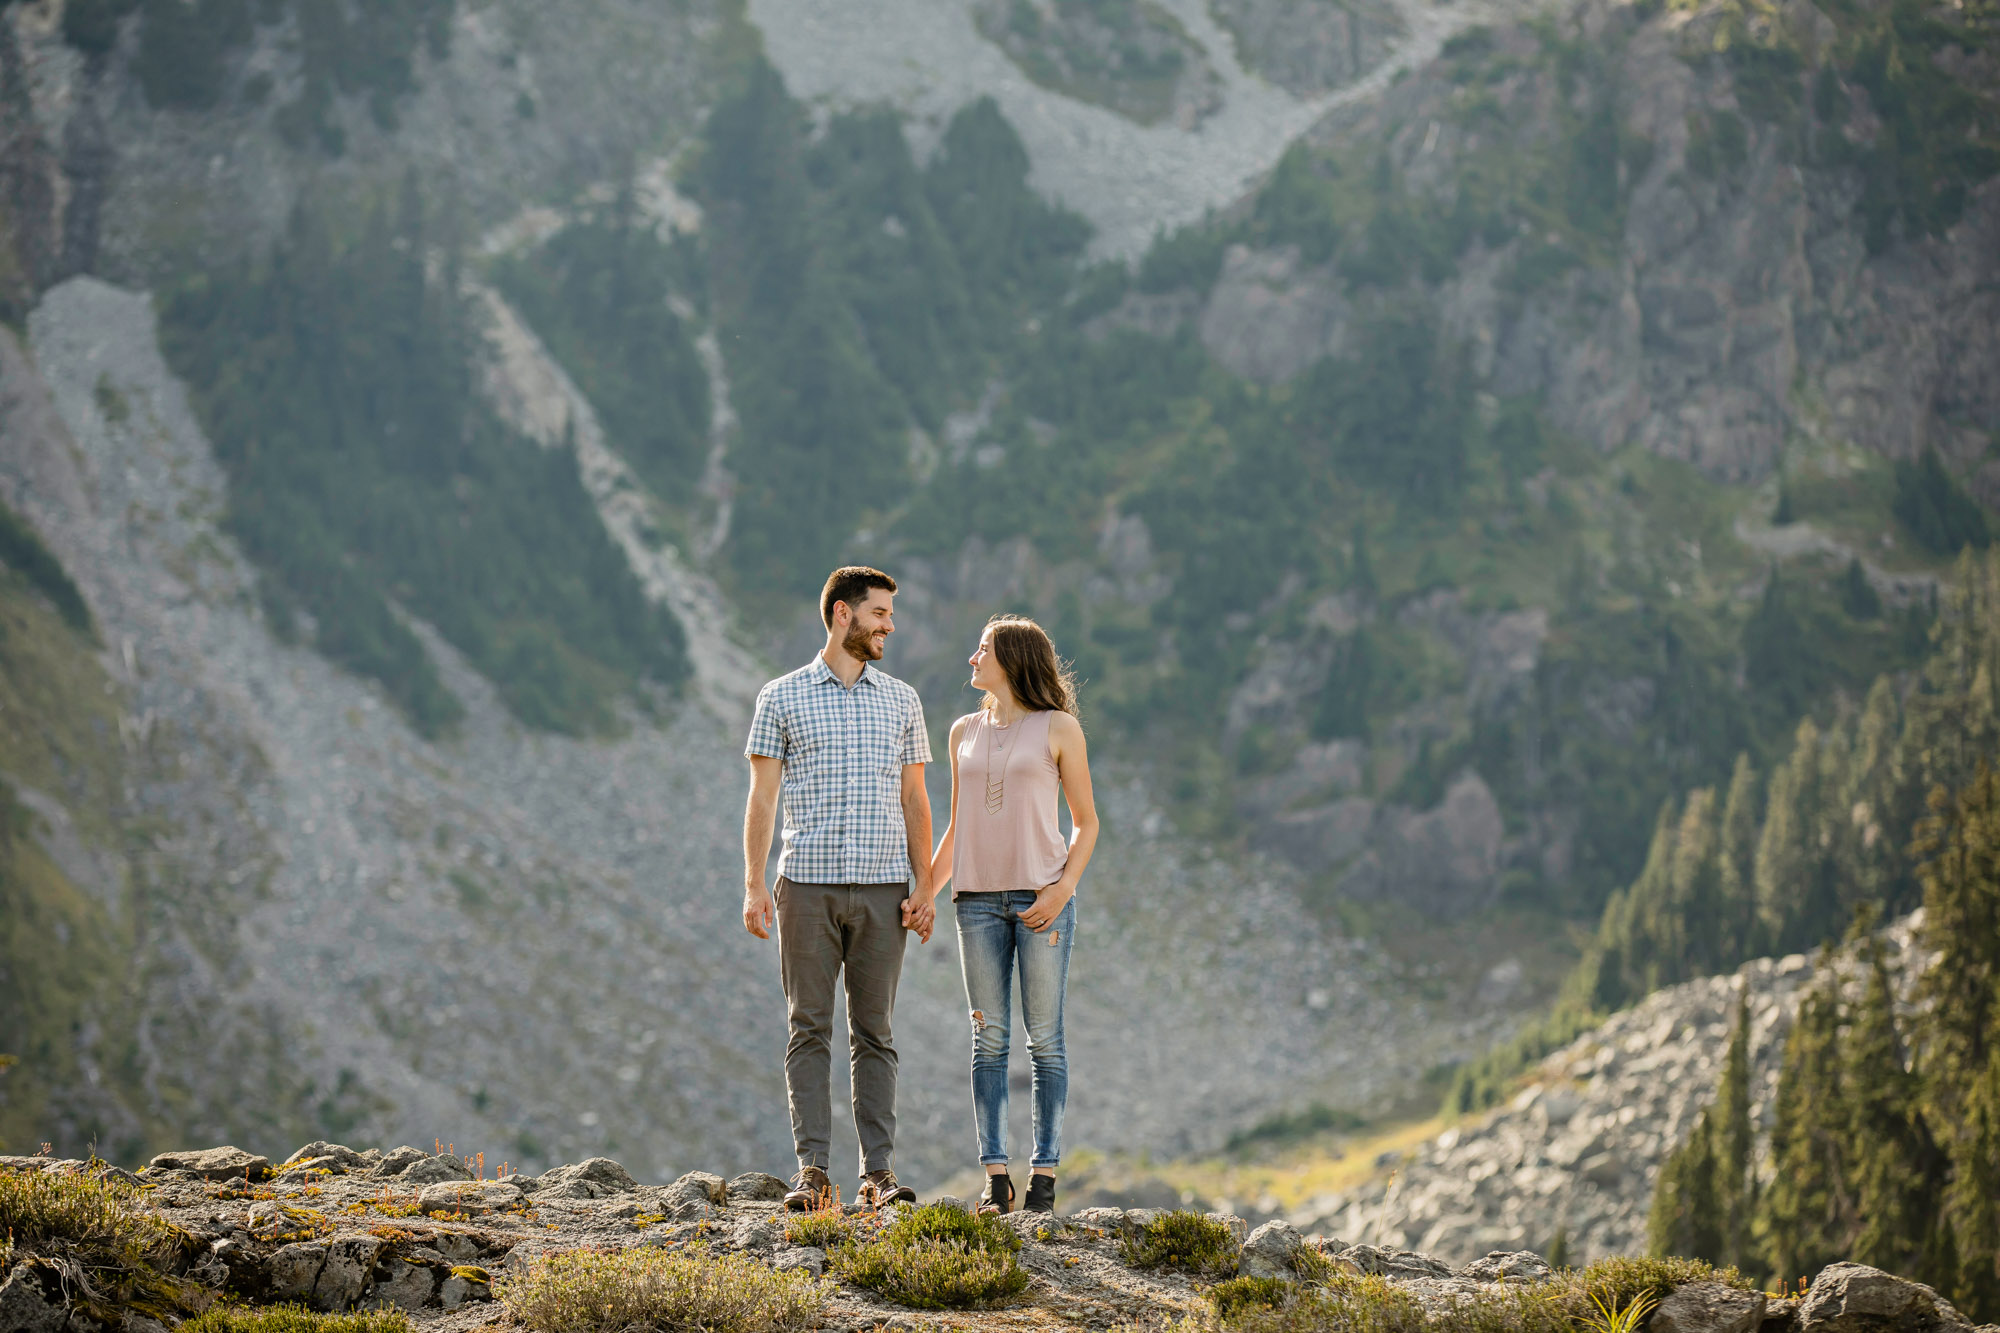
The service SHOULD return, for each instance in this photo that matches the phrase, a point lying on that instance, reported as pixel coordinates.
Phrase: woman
(1015, 881)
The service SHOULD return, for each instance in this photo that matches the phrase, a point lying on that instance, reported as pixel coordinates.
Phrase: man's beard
(860, 644)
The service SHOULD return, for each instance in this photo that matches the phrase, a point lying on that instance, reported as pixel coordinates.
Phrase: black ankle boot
(1041, 1195)
(998, 1196)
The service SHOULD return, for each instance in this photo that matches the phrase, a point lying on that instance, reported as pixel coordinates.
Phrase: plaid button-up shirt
(843, 752)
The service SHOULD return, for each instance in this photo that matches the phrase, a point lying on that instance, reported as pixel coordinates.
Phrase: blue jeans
(992, 942)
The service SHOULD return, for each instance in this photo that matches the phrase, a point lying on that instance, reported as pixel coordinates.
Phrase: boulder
(404, 1281)
(1238, 1228)
(350, 1267)
(1780, 1316)
(592, 1179)
(1111, 1220)
(469, 1197)
(1505, 1266)
(398, 1160)
(215, 1163)
(1384, 1262)
(1709, 1307)
(1271, 1251)
(319, 1153)
(1854, 1298)
(807, 1258)
(695, 1185)
(435, 1170)
(462, 1285)
(755, 1187)
(31, 1299)
(293, 1271)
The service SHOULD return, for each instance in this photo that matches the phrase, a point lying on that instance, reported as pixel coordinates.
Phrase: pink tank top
(1005, 832)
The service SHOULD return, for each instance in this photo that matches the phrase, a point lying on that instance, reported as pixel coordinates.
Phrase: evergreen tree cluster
(1780, 863)
(1885, 1142)
(336, 380)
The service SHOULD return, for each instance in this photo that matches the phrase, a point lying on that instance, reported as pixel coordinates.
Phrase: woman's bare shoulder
(1064, 729)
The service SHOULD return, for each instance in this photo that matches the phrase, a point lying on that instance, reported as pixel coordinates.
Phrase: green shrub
(295, 1319)
(1185, 1240)
(22, 551)
(38, 1208)
(1313, 1267)
(1238, 1294)
(588, 1291)
(936, 1258)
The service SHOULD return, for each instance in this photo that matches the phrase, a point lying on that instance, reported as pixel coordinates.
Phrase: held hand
(920, 915)
(758, 914)
(1041, 913)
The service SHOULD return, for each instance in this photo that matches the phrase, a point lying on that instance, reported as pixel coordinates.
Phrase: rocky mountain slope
(520, 941)
(1579, 1148)
(1414, 517)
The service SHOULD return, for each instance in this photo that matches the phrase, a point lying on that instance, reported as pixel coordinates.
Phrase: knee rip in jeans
(978, 1021)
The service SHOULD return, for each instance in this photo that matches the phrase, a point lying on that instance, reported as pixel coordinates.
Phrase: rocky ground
(339, 1229)
(1580, 1147)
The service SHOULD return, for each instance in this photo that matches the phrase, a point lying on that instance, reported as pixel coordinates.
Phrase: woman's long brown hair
(1040, 681)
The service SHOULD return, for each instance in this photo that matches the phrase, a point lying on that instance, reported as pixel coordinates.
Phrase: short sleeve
(916, 737)
(767, 730)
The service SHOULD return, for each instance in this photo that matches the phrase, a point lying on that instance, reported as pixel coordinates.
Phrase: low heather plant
(1188, 1241)
(1610, 1296)
(75, 1207)
(294, 1319)
(826, 1228)
(1232, 1297)
(598, 1291)
(936, 1258)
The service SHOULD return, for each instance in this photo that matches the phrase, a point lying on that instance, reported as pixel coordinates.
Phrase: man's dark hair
(850, 584)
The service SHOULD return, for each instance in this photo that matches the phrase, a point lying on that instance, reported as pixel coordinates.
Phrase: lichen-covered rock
(435, 1170)
(1386, 1262)
(31, 1300)
(1854, 1298)
(1271, 1251)
(1503, 1266)
(349, 1270)
(404, 1281)
(469, 1197)
(755, 1187)
(293, 1271)
(326, 1156)
(695, 1185)
(591, 1179)
(1709, 1307)
(397, 1161)
(215, 1163)
(807, 1258)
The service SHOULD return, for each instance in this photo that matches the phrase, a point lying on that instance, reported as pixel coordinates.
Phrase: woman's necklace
(996, 787)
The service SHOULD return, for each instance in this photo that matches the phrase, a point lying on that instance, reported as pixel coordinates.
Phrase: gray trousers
(821, 929)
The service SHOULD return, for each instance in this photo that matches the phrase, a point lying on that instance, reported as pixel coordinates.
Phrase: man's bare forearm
(759, 815)
(917, 829)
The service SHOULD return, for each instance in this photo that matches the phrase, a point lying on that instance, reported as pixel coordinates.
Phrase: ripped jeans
(992, 943)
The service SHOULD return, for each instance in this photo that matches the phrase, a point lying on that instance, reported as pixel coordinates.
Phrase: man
(847, 746)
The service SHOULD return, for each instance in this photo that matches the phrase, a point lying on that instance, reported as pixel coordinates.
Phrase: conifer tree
(1735, 1145)
(1736, 864)
(1972, 1201)
(1895, 1167)
(1791, 891)
(1960, 845)
(1686, 1218)
(1809, 1208)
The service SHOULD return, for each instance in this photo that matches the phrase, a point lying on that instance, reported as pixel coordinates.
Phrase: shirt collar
(822, 673)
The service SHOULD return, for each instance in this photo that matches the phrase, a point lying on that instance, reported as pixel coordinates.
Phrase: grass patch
(825, 1228)
(295, 1319)
(936, 1258)
(1598, 1297)
(591, 1291)
(1183, 1240)
(48, 1207)
(1231, 1298)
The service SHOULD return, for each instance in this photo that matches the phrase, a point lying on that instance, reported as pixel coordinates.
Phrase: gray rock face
(398, 1160)
(594, 1179)
(695, 1185)
(755, 1187)
(1854, 1298)
(468, 1197)
(406, 1285)
(1270, 1251)
(435, 1170)
(332, 1156)
(215, 1163)
(1709, 1307)
(1386, 1262)
(1309, 46)
(1502, 1266)
(31, 1300)
(800, 1258)
(1580, 1147)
